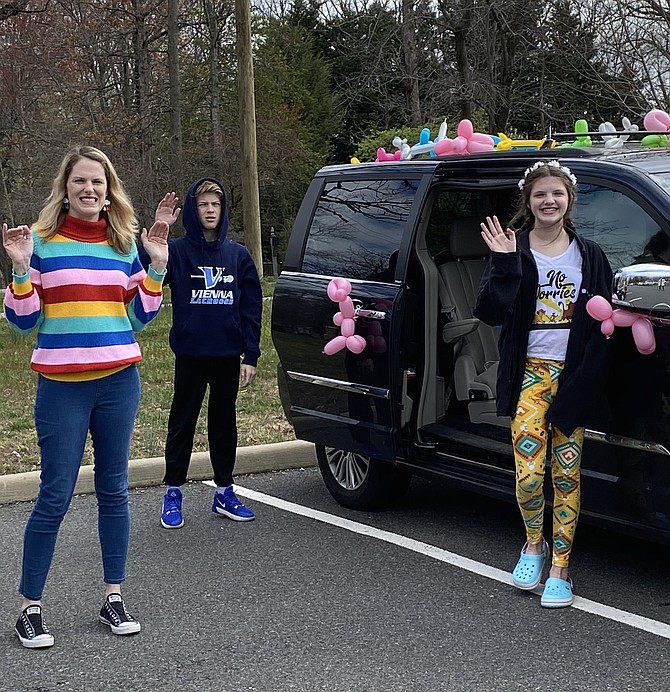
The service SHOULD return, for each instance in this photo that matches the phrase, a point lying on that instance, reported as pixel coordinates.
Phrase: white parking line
(639, 622)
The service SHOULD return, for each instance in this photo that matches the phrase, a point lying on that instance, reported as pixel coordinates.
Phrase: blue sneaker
(228, 504)
(172, 518)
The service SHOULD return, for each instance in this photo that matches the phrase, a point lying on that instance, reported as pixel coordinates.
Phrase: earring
(66, 203)
(107, 205)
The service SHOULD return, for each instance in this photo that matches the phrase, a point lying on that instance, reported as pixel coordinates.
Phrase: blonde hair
(122, 225)
(208, 186)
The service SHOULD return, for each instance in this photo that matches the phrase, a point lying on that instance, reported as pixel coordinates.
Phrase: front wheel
(357, 481)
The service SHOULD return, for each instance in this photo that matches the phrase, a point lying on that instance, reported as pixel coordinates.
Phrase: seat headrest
(465, 238)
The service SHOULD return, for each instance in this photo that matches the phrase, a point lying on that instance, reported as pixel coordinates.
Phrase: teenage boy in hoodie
(216, 328)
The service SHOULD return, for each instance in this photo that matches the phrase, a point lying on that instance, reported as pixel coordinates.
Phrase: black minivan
(420, 397)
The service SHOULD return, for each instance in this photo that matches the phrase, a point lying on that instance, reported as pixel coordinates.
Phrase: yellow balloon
(507, 144)
(354, 160)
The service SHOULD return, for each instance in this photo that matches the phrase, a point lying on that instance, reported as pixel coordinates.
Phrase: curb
(142, 473)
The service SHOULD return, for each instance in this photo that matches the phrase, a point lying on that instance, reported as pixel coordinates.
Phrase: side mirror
(644, 289)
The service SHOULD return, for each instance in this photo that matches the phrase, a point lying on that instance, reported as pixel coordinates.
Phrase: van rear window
(357, 229)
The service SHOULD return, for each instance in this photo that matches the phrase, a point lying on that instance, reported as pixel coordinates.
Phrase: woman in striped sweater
(77, 280)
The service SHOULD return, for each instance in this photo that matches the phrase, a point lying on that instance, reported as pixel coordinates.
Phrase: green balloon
(581, 127)
(655, 141)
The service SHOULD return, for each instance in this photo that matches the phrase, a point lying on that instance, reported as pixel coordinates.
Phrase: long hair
(122, 226)
(523, 219)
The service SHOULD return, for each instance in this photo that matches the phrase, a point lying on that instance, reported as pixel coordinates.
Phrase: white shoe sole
(126, 628)
(557, 604)
(42, 641)
(224, 513)
(170, 526)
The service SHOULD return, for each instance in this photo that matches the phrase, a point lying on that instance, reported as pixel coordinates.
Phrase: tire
(360, 482)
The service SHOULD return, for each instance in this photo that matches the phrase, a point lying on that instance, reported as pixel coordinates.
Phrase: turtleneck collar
(84, 231)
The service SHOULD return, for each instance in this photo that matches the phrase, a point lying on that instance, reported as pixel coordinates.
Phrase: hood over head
(190, 214)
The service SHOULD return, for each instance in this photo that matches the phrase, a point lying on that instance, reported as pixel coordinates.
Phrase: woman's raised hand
(167, 209)
(155, 242)
(496, 238)
(18, 243)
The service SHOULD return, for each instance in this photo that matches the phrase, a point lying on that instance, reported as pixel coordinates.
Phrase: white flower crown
(553, 164)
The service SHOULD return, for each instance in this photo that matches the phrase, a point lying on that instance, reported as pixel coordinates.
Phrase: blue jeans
(64, 413)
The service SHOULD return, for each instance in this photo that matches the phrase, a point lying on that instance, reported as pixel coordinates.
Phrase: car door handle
(370, 314)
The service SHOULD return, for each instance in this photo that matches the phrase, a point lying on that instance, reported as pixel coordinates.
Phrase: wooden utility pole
(245, 87)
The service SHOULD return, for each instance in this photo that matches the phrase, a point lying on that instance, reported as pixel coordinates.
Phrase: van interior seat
(476, 344)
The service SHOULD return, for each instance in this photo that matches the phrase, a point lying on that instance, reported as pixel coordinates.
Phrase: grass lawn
(260, 416)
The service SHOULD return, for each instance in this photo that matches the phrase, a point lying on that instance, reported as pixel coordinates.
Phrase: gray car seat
(476, 344)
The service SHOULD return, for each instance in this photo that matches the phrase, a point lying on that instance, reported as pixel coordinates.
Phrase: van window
(614, 221)
(357, 228)
(452, 205)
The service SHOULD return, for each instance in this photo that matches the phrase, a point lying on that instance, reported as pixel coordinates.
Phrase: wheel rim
(348, 468)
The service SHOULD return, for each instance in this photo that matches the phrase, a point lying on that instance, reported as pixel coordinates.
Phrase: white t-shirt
(560, 279)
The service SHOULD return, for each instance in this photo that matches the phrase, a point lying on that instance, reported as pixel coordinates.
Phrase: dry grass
(260, 416)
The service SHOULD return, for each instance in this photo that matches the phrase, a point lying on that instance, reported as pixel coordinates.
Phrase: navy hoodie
(216, 294)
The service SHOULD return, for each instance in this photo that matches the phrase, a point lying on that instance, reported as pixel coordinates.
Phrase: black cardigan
(507, 297)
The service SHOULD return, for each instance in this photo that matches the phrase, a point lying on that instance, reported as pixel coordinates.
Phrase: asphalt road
(289, 602)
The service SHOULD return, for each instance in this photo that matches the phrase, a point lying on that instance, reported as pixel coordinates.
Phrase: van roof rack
(613, 133)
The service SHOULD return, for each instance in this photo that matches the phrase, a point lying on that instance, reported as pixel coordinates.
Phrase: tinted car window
(615, 222)
(357, 228)
(475, 205)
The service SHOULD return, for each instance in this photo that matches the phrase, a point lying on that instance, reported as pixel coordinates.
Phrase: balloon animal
(423, 146)
(383, 155)
(401, 144)
(643, 332)
(582, 139)
(656, 121)
(338, 291)
(614, 141)
(467, 141)
(507, 144)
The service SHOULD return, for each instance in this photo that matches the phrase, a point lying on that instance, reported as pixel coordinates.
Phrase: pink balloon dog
(467, 142)
(338, 292)
(643, 332)
(383, 155)
(657, 121)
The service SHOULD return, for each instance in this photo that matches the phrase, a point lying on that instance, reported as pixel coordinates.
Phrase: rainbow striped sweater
(85, 300)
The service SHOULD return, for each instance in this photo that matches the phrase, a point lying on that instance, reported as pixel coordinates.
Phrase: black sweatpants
(191, 377)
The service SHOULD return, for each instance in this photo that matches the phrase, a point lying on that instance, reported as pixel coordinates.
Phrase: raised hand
(155, 242)
(496, 238)
(18, 243)
(167, 209)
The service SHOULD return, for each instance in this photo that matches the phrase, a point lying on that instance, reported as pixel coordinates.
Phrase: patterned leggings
(531, 437)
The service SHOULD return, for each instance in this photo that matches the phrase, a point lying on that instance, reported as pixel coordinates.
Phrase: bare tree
(175, 93)
(458, 17)
(634, 41)
(410, 50)
(217, 16)
(14, 7)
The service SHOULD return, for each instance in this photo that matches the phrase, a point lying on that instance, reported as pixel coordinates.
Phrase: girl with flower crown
(553, 356)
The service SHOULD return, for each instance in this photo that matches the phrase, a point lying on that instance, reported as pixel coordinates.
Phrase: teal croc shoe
(557, 593)
(528, 571)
